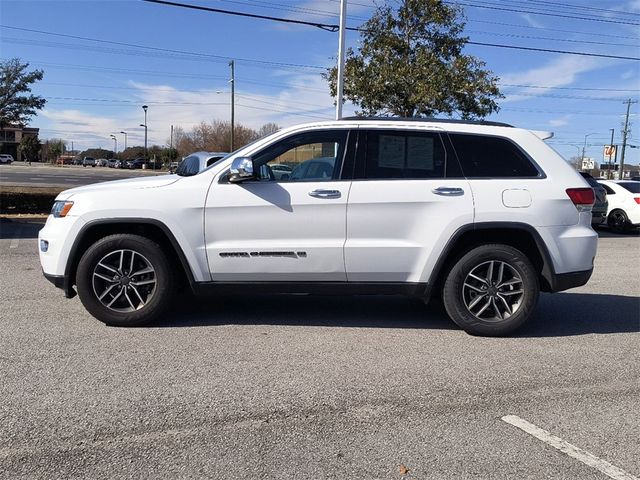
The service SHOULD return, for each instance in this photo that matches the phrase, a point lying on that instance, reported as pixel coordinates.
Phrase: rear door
(407, 199)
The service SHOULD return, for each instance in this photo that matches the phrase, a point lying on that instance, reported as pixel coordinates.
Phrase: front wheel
(492, 290)
(125, 280)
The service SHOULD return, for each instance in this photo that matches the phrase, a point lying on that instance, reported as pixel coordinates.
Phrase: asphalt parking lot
(316, 387)
(44, 175)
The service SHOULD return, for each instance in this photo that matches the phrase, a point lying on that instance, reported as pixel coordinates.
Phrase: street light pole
(144, 107)
(340, 79)
(125, 139)
(233, 90)
(115, 145)
(584, 147)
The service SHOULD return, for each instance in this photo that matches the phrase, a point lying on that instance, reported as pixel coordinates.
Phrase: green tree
(131, 153)
(53, 148)
(30, 148)
(97, 153)
(410, 64)
(17, 104)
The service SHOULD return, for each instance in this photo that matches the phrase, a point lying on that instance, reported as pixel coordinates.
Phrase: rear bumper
(565, 281)
(598, 218)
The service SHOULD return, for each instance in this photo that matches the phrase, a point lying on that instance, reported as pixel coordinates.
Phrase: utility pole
(171, 139)
(611, 147)
(340, 79)
(233, 86)
(625, 132)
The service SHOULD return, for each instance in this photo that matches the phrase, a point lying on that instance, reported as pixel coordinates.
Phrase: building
(10, 138)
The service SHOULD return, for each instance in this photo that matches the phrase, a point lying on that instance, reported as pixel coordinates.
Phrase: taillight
(582, 197)
(637, 199)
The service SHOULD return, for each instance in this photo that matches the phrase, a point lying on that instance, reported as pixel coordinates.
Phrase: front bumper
(61, 281)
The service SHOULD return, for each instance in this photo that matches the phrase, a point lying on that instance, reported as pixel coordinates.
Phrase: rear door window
(396, 154)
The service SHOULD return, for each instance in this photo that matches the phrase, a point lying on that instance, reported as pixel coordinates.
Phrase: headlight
(61, 208)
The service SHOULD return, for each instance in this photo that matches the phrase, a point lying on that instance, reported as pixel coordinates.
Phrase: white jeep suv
(483, 214)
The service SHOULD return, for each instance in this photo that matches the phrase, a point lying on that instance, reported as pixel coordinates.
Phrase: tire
(505, 309)
(108, 290)
(618, 221)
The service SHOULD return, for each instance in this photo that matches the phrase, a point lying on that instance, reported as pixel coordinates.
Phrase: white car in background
(624, 204)
(6, 158)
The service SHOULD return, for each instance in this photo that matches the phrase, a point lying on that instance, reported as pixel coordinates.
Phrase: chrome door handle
(448, 191)
(325, 193)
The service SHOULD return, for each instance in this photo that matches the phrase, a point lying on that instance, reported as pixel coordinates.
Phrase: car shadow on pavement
(605, 233)
(307, 310)
(558, 315)
(567, 314)
(20, 229)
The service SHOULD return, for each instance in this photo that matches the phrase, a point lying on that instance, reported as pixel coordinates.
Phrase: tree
(216, 136)
(17, 105)
(53, 148)
(131, 153)
(410, 64)
(30, 148)
(267, 129)
(97, 153)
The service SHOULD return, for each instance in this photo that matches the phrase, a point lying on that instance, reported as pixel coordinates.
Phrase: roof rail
(431, 119)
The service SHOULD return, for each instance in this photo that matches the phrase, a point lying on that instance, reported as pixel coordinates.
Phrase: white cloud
(306, 99)
(560, 122)
(532, 21)
(561, 71)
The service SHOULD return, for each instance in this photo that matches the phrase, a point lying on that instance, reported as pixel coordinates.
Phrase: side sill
(314, 288)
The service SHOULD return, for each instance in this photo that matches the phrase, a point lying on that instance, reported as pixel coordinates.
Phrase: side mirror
(241, 170)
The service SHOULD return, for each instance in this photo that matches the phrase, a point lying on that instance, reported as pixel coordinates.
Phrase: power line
(562, 30)
(532, 12)
(533, 37)
(290, 85)
(585, 15)
(583, 7)
(330, 28)
(334, 28)
(169, 50)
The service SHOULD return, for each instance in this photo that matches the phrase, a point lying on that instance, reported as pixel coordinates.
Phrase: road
(68, 176)
(306, 387)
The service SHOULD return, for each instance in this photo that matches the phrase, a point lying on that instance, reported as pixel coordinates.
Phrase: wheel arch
(522, 236)
(149, 228)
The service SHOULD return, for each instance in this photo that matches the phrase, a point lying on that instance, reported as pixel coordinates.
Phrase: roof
(431, 120)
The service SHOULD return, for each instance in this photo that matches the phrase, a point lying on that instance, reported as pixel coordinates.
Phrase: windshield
(633, 187)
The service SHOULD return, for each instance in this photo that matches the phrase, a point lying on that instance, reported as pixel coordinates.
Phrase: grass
(27, 199)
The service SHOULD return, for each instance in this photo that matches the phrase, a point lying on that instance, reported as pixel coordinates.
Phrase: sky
(103, 60)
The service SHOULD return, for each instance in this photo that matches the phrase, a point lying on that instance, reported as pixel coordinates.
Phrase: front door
(290, 223)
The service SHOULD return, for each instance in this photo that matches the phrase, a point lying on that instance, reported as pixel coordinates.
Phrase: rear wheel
(492, 290)
(125, 280)
(618, 221)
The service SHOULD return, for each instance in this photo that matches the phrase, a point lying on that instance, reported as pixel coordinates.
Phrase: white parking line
(571, 450)
(15, 241)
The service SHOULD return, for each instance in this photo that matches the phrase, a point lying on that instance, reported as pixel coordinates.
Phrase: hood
(127, 184)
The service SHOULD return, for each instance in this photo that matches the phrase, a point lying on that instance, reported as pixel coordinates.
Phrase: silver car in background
(198, 161)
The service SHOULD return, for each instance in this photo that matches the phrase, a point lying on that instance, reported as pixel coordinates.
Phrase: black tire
(618, 221)
(143, 295)
(461, 290)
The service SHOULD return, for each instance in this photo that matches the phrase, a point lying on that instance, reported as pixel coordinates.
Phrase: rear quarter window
(484, 156)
